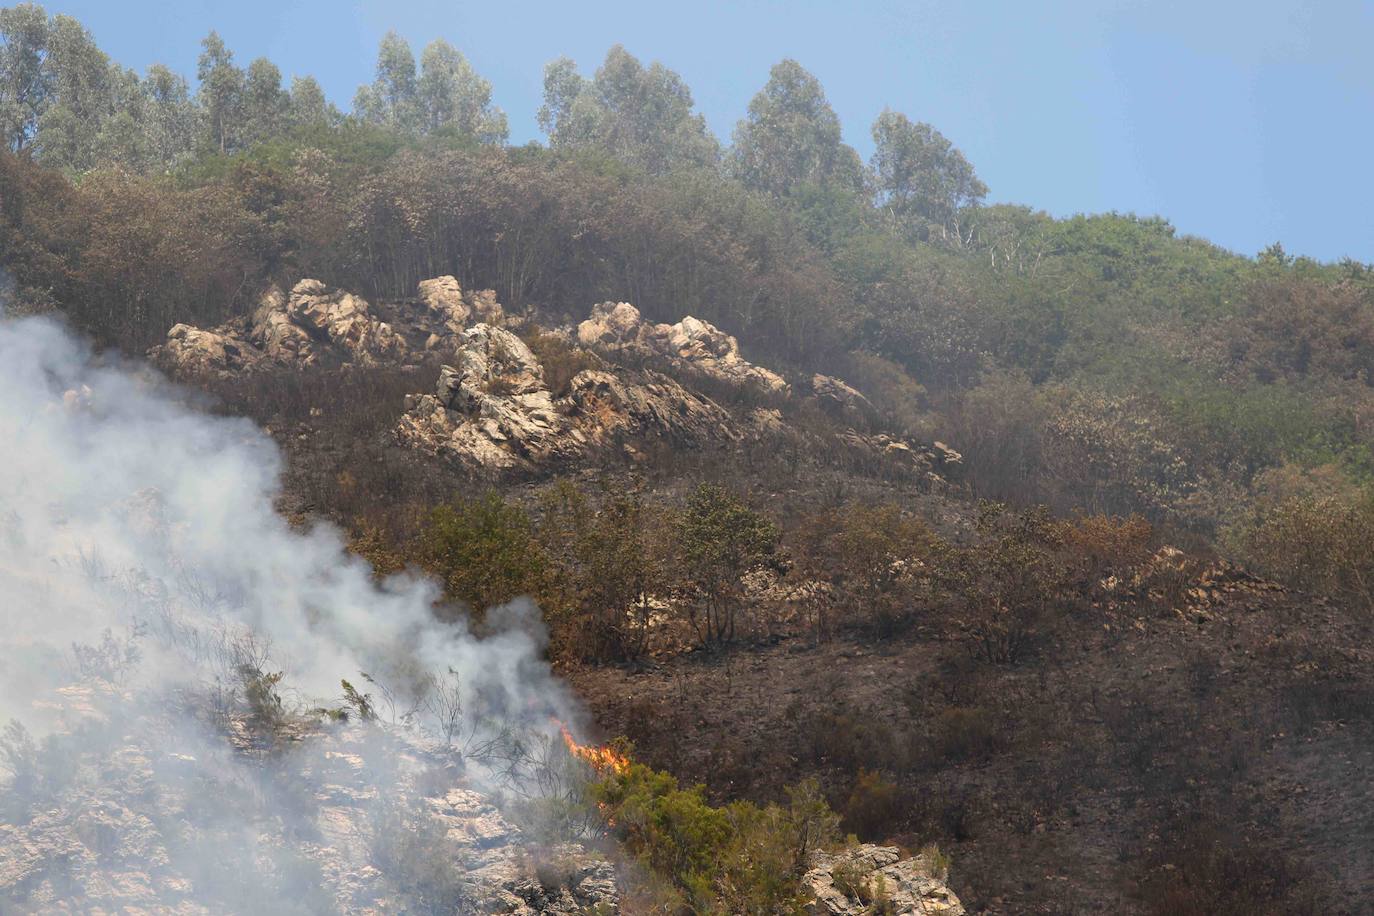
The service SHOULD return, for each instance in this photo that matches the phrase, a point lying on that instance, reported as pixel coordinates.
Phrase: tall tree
(82, 97)
(391, 98)
(307, 105)
(922, 179)
(26, 83)
(265, 103)
(221, 91)
(791, 137)
(171, 120)
(640, 116)
(451, 94)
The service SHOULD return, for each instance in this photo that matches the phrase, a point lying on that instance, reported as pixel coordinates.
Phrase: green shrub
(484, 550)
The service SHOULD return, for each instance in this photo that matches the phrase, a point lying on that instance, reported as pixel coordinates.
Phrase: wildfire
(603, 759)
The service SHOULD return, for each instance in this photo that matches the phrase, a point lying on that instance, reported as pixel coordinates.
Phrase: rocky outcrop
(315, 324)
(935, 461)
(834, 393)
(192, 351)
(876, 879)
(493, 411)
(350, 818)
(691, 343)
(445, 299)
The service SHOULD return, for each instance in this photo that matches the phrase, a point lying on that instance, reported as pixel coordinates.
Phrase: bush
(607, 559)
(1318, 543)
(484, 550)
(560, 359)
(721, 539)
(966, 733)
(873, 810)
(736, 859)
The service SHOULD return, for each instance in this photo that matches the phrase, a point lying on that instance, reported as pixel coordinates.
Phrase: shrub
(484, 550)
(873, 808)
(721, 539)
(878, 554)
(966, 733)
(736, 859)
(1318, 543)
(561, 360)
(607, 560)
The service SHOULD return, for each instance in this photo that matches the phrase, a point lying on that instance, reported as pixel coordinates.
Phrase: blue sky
(1243, 122)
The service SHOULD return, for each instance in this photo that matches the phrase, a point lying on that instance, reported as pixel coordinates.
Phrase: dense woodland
(1112, 385)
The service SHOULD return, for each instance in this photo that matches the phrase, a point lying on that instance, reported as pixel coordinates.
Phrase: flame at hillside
(603, 759)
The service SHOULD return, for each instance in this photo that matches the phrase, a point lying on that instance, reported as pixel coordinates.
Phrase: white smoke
(110, 487)
(143, 570)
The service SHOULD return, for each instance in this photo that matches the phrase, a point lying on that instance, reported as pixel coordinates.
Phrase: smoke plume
(144, 571)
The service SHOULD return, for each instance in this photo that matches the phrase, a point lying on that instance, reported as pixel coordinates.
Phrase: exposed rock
(691, 342)
(191, 350)
(835, 393)
(494, 411)
(444, 298)
(876, 879)
(926, 461)
(317, 324)
(157, 822)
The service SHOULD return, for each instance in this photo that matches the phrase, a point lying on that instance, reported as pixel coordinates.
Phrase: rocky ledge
(691, 343)
(316, 324)
(493, 409)
(871, 879)
(348, 818)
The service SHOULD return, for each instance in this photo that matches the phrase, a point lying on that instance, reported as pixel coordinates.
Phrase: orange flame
(603, 759)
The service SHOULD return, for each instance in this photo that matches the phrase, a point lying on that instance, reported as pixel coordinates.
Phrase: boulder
(343, 320)
(835, 393)
(316, 324)
(492, 409)
(876, 879)
(691, 343)
(191, 350)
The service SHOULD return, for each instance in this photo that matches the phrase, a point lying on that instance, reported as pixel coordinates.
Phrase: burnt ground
(1137, 759)
(1076, 781)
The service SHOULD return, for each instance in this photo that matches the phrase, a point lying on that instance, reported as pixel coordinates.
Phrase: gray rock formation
(351, 818)
(692, 343)
(876, 879)
(317, 324)
(493, 411)
(835, 393)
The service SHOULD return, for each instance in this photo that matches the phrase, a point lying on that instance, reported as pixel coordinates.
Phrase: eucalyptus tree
(922, 179)
(221, 91)
(642, 116)
(265, 104)
(451, 95)
(391, 99)
(171, 120)
(307, 105)
(26, 80)
(791, 137)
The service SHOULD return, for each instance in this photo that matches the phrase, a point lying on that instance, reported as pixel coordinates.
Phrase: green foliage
(791, 137)
(642, 117)
(923, 181)
(607, 561)
(735, 859)
(484, 550)
(721, 539)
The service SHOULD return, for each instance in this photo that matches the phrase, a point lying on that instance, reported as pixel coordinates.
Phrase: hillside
(789, 533)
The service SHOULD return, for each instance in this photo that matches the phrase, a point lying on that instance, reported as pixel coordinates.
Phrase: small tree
(607, 561)
(484, 550)
(722, 539)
